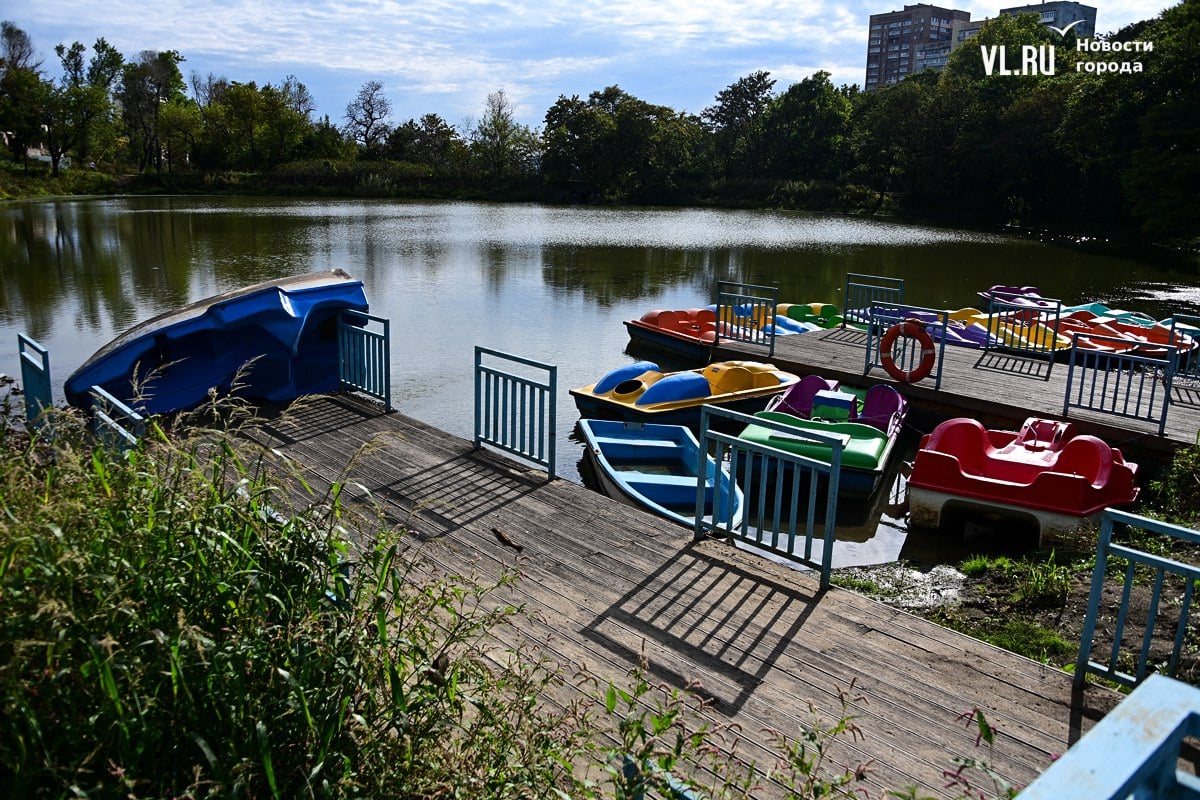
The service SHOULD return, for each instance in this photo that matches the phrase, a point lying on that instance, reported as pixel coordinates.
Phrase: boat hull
(273, 341)
(688, 348)
(927, 509)
(656, 468)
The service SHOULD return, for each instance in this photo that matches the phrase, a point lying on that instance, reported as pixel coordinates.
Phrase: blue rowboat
(657, 467)
(273, 341)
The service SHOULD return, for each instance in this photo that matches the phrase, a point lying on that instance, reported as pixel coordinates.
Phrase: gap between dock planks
(605, 583)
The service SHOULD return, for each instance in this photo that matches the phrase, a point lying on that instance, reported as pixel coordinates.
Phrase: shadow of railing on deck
(452, 494)
(852, 337)
(1021, 366)
(707, 610)
(313, 417)
(444, 496)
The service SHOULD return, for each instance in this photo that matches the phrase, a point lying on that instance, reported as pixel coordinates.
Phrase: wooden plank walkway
(998, 389)
(604, 585)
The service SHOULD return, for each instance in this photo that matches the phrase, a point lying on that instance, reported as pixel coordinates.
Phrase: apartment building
(903, 42)
(1057, 13)
(920, 37)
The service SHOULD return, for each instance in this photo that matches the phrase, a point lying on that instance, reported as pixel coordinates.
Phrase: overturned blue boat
(273, 341)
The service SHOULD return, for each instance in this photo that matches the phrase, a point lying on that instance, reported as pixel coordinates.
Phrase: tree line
(1086, 149)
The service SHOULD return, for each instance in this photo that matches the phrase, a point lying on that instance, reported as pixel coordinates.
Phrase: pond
(548, 283)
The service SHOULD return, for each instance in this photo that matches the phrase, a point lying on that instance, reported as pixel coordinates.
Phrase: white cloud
(454, 52)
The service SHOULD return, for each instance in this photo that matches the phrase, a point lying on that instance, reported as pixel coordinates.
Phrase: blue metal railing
(748, 314)
(774, 484)
(1188, 367)
(906, 353)
(35, 378)
(1154, 567)
(364, 356)
(1124, 384)
(649, 776)
(514, 413)
(1133, 752)
(1016, 327)
(860, 292)
(113, 422)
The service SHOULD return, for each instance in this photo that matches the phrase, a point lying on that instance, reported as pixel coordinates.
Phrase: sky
(446, 56)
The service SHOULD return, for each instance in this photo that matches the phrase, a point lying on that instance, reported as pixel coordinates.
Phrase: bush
(1176, 495)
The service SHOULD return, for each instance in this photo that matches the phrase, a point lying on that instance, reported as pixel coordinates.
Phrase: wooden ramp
(999, 389)
(604, 585)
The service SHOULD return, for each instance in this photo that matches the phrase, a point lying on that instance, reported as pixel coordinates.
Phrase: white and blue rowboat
(656, 467)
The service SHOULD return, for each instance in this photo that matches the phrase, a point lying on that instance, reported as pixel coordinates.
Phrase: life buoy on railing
(912, 329)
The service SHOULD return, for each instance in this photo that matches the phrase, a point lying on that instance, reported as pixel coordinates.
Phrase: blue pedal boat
(273, 341)
(657, 467)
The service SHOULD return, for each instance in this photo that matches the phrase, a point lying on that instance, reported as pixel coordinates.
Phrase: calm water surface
(548, 283)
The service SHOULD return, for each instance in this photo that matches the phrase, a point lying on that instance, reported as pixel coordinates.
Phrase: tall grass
(164, 631)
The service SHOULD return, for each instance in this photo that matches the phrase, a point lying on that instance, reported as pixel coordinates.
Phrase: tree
(618, 146)
(367, 117)
(808, 128)
(889, 128)
(503, 147)
(24, 94)
(736, 121)
(1164, 168)
(81, 100)
(323, 139)
(297, 97)
(147, 84)
(577, 142)
(16, 49)
(430, 141)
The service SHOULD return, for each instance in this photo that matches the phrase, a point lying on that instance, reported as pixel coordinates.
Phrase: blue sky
(446, 56)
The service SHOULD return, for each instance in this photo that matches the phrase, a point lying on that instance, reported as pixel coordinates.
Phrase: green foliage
(618, 148)
(1044, 583)
(1020, 636)
(38, 181)
(165, 633)
(1175, 496)
(808, 129)
(978, 565)
(804, 768)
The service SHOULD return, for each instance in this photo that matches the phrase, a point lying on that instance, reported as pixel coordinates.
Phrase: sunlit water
(547, 283)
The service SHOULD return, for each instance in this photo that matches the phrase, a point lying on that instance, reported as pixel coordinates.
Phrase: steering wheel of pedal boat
(911, 329)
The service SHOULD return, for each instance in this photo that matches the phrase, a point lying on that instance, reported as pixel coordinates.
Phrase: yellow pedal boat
(641, 392)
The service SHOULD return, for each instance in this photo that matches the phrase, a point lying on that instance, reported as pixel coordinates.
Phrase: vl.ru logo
(1035, 60)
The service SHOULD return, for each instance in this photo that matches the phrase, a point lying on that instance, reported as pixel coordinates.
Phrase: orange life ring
(913, 329)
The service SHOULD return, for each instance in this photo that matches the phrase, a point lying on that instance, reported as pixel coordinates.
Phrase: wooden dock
(604, 585)
(1000, 390)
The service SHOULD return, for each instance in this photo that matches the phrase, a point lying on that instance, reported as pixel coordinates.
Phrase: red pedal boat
(1045, 473)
